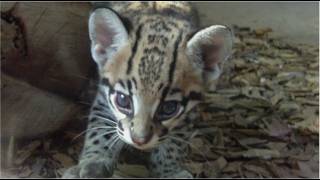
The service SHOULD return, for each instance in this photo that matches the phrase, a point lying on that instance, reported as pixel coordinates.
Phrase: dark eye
(124, 103)
(168, 109)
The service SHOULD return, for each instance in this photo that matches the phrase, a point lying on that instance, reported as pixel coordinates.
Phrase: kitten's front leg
(165, 161)
(99, 155)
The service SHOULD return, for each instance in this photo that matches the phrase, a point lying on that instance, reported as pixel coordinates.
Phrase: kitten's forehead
(155, 57)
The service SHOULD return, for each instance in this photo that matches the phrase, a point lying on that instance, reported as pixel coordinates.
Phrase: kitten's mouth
(144, 147)
(140, 141)
(143, 143)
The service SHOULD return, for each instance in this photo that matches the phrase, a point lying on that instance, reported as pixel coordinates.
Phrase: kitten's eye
(124, 103)
(168, 109)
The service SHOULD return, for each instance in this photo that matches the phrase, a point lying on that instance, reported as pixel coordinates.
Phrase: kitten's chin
(143, 147)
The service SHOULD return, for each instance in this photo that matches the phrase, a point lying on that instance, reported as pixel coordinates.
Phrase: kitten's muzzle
(141, 140)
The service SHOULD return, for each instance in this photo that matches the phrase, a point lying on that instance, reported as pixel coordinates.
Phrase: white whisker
(103, 118)
(109, 132)
(103, 127)
(117, 139)
(113, 137)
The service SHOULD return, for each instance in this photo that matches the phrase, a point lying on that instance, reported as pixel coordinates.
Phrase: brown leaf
(281, 171)
(26, 152)
(25, 173)
(232, 167)
(309, 125)
(213, 169)
(195, 167)
(38, 166)
(66, 161)
(262, 31)
(276, 145)
(261, 153)
(257, 169)
(252, 141)
(278, 129)
(305, 171)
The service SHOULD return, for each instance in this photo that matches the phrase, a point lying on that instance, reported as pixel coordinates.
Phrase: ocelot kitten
(154, 66)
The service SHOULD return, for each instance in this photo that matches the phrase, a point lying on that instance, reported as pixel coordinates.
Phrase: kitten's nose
(141, 140)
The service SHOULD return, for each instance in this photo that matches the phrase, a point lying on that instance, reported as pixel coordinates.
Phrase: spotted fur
(149, 54)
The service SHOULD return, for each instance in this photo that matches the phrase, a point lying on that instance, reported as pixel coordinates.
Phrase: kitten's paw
(182, 174)
(89, 169)
(71, 173)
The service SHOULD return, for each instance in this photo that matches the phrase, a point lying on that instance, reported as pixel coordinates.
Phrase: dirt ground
(263, 121)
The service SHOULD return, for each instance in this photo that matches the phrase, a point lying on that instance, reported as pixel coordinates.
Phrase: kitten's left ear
(107, 34)
(211, 47)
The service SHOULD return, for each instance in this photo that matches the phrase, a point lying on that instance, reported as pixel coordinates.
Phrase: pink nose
(141, 140)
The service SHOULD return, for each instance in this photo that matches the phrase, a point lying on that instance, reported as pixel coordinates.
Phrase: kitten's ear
(211, 47)
(107, 34)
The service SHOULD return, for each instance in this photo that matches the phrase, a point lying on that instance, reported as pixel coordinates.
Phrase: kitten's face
(149, 105)
(156, 73)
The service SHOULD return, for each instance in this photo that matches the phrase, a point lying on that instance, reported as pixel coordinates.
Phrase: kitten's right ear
(107, 34)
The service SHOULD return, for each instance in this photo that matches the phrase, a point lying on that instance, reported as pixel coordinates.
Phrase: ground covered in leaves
(263, 120)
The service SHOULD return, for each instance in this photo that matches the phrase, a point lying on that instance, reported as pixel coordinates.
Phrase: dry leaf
(259, 170)
(213, 169)
(195, 167)
(27, 152)
(278, 129)
(305, 171)
(310, 124)
(66, 161)
(252, 141)
(261, 153)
